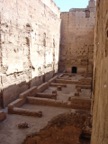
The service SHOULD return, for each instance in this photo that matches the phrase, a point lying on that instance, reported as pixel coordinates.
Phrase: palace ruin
(53, 73)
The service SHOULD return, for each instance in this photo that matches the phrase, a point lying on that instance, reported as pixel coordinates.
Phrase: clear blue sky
(65, 5)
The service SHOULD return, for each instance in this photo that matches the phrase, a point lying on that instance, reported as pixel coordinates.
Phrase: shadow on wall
(12, 92)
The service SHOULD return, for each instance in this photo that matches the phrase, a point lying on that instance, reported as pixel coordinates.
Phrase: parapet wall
(51, 4)
(29, 45)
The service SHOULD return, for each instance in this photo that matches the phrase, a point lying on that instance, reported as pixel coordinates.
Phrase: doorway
(74, 70)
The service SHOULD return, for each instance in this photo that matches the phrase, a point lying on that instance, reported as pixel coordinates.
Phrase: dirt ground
(10, 134)
(63, 129)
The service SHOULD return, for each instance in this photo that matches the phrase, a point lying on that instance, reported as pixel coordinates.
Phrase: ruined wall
(100, 110)
(29, 45)
(77, 38)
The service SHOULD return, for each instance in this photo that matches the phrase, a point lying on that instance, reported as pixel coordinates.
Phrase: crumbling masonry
(77, 39)
(29, 45)
(32, 52)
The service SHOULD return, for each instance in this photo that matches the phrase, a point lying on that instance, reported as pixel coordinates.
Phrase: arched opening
(74, 69)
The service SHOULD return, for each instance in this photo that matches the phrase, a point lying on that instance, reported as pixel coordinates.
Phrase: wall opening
(74, 70)
(87, 13)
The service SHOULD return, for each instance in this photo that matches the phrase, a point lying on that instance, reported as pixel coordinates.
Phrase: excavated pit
(68, 128)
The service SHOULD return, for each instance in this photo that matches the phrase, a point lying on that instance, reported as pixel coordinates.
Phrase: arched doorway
(74, 69)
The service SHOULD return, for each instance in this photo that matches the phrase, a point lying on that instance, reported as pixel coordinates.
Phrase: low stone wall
(25, 112)
(17, 103)
(46, 95)
(46, 102)
(86, 81)
(34, 91)
(83, 86)
(58, 84)
(66, 81)
(81, 103)
(52, 79)
(74, 103)
(30, 92)
(42, 87)
(61, 75)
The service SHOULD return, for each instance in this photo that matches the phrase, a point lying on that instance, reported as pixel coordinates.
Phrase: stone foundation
(25, 112)
(38, 96)
(74, 104)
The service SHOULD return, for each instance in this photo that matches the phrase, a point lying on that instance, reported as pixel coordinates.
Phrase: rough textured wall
(100, 110)
(29, 45)
(77, 38)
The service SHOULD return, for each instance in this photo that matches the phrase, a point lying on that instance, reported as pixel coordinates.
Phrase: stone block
(25, 112)
(59, 88)
(46, 95)
(58, 84)
(30, 92)
(42, 87)
(17, 103)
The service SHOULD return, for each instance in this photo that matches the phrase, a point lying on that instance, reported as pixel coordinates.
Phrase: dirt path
(63, 129)
(9, 132)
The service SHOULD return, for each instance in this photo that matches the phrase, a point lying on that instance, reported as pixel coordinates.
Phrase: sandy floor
(9, 132)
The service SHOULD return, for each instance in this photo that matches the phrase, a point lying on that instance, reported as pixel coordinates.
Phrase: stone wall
(77, 38)
(100, 109)
(29, 45)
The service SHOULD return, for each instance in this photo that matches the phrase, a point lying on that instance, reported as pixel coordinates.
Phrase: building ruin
(29, 45)
(52, 63)
(77, 39)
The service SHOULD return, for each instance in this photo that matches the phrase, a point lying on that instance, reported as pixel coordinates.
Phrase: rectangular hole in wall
(74, 69)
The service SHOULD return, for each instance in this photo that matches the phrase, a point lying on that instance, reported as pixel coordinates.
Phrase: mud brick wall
(77, 39)
(100, 95)
(29, 45)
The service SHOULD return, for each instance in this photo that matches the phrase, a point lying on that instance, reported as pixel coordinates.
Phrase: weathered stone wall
(100, 110)
(77, 38)
(29, 45)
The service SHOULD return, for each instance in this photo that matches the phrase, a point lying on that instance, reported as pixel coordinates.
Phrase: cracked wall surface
(77, 39)
(100, 99)
(29, 45)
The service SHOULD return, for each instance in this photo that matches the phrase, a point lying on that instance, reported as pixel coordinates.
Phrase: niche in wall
(87, 13)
